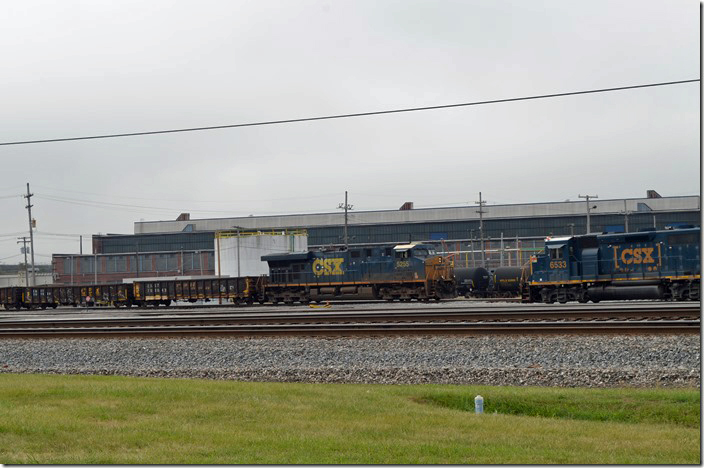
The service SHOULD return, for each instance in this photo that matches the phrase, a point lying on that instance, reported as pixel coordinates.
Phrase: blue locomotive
(401, 272)
(640, 265)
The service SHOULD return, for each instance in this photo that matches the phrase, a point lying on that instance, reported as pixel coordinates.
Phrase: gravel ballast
(559, 361)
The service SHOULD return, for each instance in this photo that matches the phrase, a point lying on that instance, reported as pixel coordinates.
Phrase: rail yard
(635, 343)
(413, 298)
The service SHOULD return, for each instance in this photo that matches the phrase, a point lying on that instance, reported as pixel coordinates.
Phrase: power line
(343, 116)
(229, 201)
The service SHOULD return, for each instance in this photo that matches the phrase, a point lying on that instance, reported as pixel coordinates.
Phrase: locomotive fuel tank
(613, 293)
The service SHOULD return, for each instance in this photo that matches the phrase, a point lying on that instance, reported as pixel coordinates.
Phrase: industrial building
(490, 235)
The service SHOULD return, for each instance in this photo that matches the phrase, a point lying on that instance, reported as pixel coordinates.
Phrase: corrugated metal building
(459, 223)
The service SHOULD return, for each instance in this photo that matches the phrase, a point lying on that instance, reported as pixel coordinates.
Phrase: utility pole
(587, 197)
(345, 207)
(481, 227)
(24, 249)
(31, 235)
(81, 242)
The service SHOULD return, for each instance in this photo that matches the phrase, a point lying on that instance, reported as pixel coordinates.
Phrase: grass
(122, 420)
(675, 406)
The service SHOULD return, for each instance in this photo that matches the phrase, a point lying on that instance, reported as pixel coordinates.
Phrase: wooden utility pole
(23, 240)
(589, 224)
(345, 207)
(31, 235)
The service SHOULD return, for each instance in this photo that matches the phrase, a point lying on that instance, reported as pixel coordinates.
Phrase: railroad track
(469, 328)
(649, 318)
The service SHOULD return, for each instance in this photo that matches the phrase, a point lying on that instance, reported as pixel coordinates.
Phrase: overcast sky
(81, 68)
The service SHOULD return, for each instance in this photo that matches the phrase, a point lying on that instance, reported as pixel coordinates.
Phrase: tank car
(472, 282)
(640, 265)
(507, 281)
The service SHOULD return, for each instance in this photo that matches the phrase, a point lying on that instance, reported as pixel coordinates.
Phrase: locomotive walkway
(470, 319)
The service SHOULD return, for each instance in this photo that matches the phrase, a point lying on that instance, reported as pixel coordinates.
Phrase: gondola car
(246, 289)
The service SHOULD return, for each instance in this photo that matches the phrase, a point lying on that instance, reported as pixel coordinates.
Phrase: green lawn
(121, 420)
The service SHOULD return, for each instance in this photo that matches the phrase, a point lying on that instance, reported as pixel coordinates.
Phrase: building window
(70, 265)
(145, 263)
(88, 264)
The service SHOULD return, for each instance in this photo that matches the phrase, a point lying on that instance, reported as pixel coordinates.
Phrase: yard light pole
(587, 197)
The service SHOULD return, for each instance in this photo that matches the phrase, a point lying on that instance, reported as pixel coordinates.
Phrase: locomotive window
(420, 253)
(555, 254)
(354, 253)
(683, 239)
(368, 252)
(402, 254)
(389, 252)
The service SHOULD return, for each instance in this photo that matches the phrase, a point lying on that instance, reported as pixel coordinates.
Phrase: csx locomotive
(640, 265)
(403, 272)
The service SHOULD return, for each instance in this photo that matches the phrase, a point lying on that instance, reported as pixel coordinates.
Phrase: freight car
(139, 294)
(479, 282)
(244, 290)
(54, 296)
(641, 265)
(472, 282)
(402, 272)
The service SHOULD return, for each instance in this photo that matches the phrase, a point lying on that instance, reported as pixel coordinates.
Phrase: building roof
(526, 210)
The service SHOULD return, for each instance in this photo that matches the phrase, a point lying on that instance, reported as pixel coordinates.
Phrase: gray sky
(79, 68)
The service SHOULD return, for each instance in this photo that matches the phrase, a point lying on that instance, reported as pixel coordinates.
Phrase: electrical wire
(344, 116)
(230, 201)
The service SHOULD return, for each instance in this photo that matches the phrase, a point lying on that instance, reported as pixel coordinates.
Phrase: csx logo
(634, 256)
(328, 266)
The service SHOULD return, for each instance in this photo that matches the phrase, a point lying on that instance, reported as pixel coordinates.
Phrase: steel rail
(418, 328)
(229, 309)
(366, 316)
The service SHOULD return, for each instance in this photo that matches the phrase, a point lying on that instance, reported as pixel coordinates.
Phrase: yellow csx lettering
(328, 266)
(637, 255)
